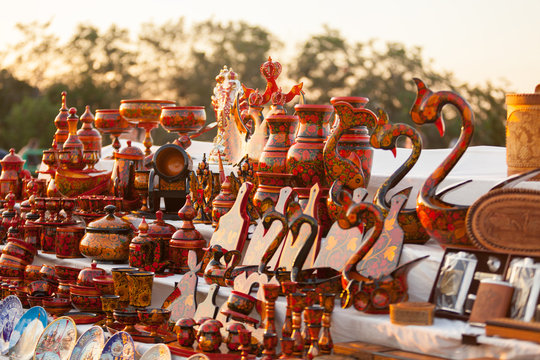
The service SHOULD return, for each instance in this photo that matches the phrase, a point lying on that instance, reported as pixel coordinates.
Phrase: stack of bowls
(84, 294)
(15, 256)
(67, 276)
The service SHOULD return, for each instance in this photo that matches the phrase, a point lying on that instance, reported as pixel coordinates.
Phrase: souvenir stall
(295, 234)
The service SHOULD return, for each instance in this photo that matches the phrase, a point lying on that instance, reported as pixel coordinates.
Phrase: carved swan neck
(467, 129)
(387, 136)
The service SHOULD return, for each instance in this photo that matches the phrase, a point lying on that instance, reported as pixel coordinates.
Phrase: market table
(485, 166)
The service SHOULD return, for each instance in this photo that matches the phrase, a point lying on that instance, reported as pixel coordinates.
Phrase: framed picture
(455, 277)
(524, 275)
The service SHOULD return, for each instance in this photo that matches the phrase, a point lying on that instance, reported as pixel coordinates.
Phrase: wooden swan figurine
(385, 137)
(443, 221)
(372, 278)
(335, 166)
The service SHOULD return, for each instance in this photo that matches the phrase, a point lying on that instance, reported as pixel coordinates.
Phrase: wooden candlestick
(311, 299)
(287, 345)
(312, 316)
(287, 288)
(325, 339)
(269, 344)
(298, 302)
(244, 336)
(271, 293)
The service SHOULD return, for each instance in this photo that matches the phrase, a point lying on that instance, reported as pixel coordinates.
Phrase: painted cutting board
(232, 229)
(262, 238)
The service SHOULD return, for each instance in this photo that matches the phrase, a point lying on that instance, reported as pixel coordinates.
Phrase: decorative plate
(57, 340)
(157, 352)
(26, 333)
(119, 347)
(89, 345)
(11, 311)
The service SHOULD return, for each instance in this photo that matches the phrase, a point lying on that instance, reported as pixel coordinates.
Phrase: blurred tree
(384, 72)
(31, 118)
(189, 60)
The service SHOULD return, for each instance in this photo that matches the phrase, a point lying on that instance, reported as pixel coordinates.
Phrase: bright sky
(477, 40)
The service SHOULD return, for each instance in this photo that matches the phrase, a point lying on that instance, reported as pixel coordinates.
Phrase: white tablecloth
(486, 166)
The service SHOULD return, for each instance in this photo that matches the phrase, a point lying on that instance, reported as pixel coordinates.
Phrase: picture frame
(524, 275)
(454, 280)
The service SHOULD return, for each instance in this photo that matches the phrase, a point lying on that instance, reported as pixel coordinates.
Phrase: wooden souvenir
(170, 165)
(224, 201)
(354, 143)
(209, 336)
(287, 288)
(298, 301)
(230, 134)
(185, 239)
(337, 167)
(246, 173)
(183, 301)
(303, 237)
(493, 300)
(271, 293)
(325, 338)
(412, 313)
(204, 187)
(154, 318)
(247, 109)
(90, 137)
(146, 252)
(385, 136)
(503, 220)
(107, 239)
(245, 342)
(185, 332)
(145, 114)
(513, 329)
(140, 284)
(187, 121)
(61, 124)
(305, 157)
(233, 340)
(111, 122)
(383, 256)
(270, 341)
(343, 239)
(312, 317)
(208, 307)
(373, 289)
(231, 232)
(269, 232)
(126, 162)
(522, 131)
(442, 220)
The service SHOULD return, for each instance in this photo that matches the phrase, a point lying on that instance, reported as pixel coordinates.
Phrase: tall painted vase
(272, 163)
(305, 157)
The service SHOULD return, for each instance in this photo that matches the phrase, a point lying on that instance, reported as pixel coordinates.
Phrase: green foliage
(178, 62)
(31, 118)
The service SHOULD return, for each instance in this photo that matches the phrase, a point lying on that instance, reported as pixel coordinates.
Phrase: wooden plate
(506, 220)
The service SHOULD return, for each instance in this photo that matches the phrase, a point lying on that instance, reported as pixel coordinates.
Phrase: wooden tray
(506, 220)
(513, 329)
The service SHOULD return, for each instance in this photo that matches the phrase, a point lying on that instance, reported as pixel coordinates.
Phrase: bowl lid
(12, 159)
(110, 223)
(130, 152)
(160, 228)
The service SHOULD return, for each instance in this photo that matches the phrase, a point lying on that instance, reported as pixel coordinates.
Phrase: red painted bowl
(75, 289)
(31, 273)
(40, 288)
(66, 272)
(182, 119)
(57, 306)
(48, 273)
(240, 302)
(86, 303)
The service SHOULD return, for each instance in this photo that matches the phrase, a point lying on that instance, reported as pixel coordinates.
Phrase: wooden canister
(523, 132)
